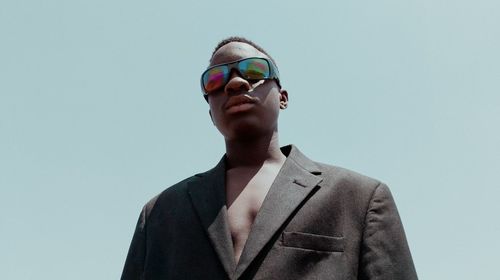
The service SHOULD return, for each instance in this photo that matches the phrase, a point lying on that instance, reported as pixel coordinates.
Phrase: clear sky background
(101, 109)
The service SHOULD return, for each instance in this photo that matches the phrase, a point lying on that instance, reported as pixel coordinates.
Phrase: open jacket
(316, 222)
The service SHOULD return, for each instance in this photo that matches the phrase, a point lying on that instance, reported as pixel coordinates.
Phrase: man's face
(242, 110)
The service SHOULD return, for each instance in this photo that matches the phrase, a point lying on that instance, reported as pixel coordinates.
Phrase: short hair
(241, 40)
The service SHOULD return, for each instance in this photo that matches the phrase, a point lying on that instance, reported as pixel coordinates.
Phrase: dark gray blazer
(316, 222)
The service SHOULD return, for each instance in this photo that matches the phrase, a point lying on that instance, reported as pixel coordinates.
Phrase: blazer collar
(208, 197)
(295, 183)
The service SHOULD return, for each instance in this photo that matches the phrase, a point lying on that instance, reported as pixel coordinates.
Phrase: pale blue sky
(99, 100)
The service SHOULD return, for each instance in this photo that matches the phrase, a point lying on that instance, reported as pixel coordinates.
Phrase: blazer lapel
(209, 199)
(291, 188)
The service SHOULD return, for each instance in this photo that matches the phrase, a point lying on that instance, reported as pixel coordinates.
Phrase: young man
(265, 212)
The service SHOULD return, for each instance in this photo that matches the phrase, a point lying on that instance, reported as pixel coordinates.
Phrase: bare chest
(245, 194)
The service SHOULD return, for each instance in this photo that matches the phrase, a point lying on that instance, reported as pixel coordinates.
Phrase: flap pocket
(313, 241)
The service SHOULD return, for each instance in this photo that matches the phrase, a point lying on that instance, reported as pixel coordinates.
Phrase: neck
(254, 152)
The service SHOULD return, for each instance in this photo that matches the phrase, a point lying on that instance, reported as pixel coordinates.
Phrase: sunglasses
(252, 68)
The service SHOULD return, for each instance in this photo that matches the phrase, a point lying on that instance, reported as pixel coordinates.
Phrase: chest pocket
(314, 242)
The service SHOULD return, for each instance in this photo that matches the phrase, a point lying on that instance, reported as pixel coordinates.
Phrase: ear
(283, 99)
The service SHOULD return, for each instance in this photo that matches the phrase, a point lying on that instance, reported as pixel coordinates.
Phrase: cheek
(272, 99)
(216, 113)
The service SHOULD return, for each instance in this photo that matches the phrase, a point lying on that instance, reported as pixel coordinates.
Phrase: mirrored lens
(215, 78)
(254, 68)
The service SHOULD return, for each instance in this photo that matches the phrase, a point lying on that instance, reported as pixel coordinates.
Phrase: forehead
(234, 51)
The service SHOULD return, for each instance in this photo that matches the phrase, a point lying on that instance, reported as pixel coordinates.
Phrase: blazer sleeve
(384, 251)
(134, 264)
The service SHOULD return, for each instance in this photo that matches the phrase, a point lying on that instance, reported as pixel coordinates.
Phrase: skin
(250, 131)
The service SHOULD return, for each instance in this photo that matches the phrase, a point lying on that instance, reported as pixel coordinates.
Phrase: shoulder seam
(370, 201)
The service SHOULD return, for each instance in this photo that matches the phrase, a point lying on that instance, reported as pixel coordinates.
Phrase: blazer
(316, 222)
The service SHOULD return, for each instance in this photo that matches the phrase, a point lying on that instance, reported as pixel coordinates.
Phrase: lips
(239, 100)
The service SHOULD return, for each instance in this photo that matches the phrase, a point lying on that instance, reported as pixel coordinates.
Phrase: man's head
(241, 40)
(243, 107)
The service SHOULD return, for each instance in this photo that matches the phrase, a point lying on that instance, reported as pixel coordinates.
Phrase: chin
(245, 131)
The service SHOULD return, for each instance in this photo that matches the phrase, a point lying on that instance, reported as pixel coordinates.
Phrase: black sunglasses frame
(273, 71)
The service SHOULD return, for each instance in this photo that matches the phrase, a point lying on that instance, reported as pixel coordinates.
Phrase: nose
(236, 84)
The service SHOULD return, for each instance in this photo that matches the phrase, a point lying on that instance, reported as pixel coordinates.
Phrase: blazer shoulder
(348, 179)
(173, 193)
(357, 190)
